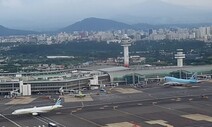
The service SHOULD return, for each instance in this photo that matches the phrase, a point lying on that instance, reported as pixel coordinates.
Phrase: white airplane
(36, 110)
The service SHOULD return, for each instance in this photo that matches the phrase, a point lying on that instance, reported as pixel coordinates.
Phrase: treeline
(169, 45)
(89, 49)
(153, 50)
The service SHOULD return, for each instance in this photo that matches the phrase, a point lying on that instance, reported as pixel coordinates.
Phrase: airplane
(36, 110)
(62, 91)
(79, 95)
(172, 81)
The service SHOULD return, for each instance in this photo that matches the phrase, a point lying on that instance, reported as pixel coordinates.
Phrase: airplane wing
(168, 84)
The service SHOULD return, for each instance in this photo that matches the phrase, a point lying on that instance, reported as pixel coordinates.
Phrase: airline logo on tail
(194, 76)
(58, 101)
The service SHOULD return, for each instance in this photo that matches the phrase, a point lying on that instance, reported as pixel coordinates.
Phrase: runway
(152, 107)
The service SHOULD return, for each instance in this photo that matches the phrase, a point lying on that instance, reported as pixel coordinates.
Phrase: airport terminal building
(52, 81)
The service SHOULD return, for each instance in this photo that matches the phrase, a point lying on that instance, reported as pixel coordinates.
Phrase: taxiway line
(127, 113)
(53, 121)
(10, 120)
(89, 121)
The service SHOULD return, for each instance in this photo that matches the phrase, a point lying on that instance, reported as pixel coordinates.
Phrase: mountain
(6, 31)
(96, 24)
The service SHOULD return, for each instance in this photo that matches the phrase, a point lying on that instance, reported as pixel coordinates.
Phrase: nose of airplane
(13, 113)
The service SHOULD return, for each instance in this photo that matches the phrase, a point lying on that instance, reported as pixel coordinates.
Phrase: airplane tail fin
(58, 101)
(194, 76)
(80, 93)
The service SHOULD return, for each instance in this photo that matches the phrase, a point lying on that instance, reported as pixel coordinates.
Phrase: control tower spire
(126, 42)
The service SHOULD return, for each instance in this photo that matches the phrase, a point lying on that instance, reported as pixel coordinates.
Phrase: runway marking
(53, 121)
(179, 87)
(127, 90)
(164, 107)
(159, 122)
(174, 111)
(89, 121)
(82, 104)
(127, 113)
(149, 94)
(10, 120)
(198, 117)
(122, 124)
(47, 120)
(195, 86)
(41, 120)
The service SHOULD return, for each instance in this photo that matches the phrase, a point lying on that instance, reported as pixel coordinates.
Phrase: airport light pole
(133, 78)
(180, 73)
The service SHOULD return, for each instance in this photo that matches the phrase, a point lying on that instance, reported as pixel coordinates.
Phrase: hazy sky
(58, 13)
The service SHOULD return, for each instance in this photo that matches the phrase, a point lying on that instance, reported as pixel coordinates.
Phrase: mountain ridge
(96, 24)
(99, 24)
(4, 31)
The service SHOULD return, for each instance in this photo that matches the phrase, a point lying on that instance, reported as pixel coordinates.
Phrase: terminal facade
(52, 81)
(48, 82)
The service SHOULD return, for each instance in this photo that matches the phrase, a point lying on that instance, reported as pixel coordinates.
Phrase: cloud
(10, 4)
(192, 3)
(65, 12)
(69, 9)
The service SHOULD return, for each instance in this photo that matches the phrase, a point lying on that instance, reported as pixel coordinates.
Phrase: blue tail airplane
(172, 81)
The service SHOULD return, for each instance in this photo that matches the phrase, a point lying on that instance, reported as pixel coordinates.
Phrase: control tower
(126, 42)
(180, 56)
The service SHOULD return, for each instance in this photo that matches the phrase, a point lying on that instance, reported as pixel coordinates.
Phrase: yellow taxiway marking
(198, 117)
(159, 122)
(122, 124)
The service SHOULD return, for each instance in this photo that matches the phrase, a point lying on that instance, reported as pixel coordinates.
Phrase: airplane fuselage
(36, 110)
(182, 81)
